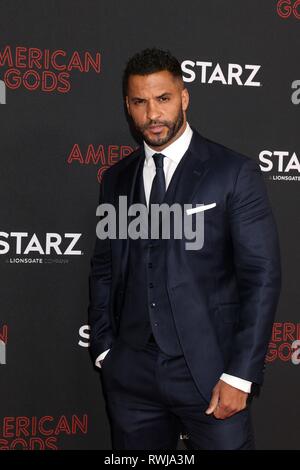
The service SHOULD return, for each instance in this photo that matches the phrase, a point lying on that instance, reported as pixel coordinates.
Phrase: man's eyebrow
(136, 98)
(167, 93)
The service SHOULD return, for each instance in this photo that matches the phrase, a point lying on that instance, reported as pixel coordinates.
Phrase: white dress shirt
(173, 154)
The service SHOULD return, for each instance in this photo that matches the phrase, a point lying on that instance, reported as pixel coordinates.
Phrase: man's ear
(185, 98)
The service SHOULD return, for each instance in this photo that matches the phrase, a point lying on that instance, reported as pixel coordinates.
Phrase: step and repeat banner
(63, 124)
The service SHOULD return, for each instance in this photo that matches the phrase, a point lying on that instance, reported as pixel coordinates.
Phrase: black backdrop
(63, 123)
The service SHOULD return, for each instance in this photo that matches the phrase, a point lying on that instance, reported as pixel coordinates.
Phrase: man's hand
(226, 401)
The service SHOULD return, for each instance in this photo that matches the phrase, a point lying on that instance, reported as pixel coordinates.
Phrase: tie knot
(158, 160)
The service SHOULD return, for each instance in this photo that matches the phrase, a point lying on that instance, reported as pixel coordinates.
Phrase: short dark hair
(151, 61)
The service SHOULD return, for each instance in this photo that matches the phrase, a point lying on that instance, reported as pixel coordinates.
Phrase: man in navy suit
(181, 335)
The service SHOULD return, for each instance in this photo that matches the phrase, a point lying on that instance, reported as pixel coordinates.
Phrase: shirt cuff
(100, 358)
(236, 382)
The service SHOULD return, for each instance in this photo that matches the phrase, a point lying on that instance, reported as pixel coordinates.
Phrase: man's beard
(173, 128)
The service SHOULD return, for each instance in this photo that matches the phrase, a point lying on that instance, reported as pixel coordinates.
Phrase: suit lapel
(126, 185)
(127, 178)
(191, 170)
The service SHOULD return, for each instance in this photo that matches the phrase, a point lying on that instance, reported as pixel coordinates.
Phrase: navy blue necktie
(158, 188)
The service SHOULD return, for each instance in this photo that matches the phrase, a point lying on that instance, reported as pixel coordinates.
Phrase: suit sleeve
(101, 334)
(258, 270)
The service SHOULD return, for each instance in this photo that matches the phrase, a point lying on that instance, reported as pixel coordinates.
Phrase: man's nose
(153, 111)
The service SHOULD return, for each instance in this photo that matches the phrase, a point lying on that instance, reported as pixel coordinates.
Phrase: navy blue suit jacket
(223, 296)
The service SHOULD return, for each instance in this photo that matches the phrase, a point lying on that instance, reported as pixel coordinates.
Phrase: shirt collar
(174, 151)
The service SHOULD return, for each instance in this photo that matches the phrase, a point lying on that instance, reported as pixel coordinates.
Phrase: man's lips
(156, 129)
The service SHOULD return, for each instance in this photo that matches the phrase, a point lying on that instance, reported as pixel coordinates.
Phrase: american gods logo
(46, 70)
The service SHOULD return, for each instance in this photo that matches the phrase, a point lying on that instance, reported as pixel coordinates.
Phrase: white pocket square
(200, 208)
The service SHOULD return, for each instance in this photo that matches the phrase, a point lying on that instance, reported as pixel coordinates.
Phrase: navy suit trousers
(151, 398)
